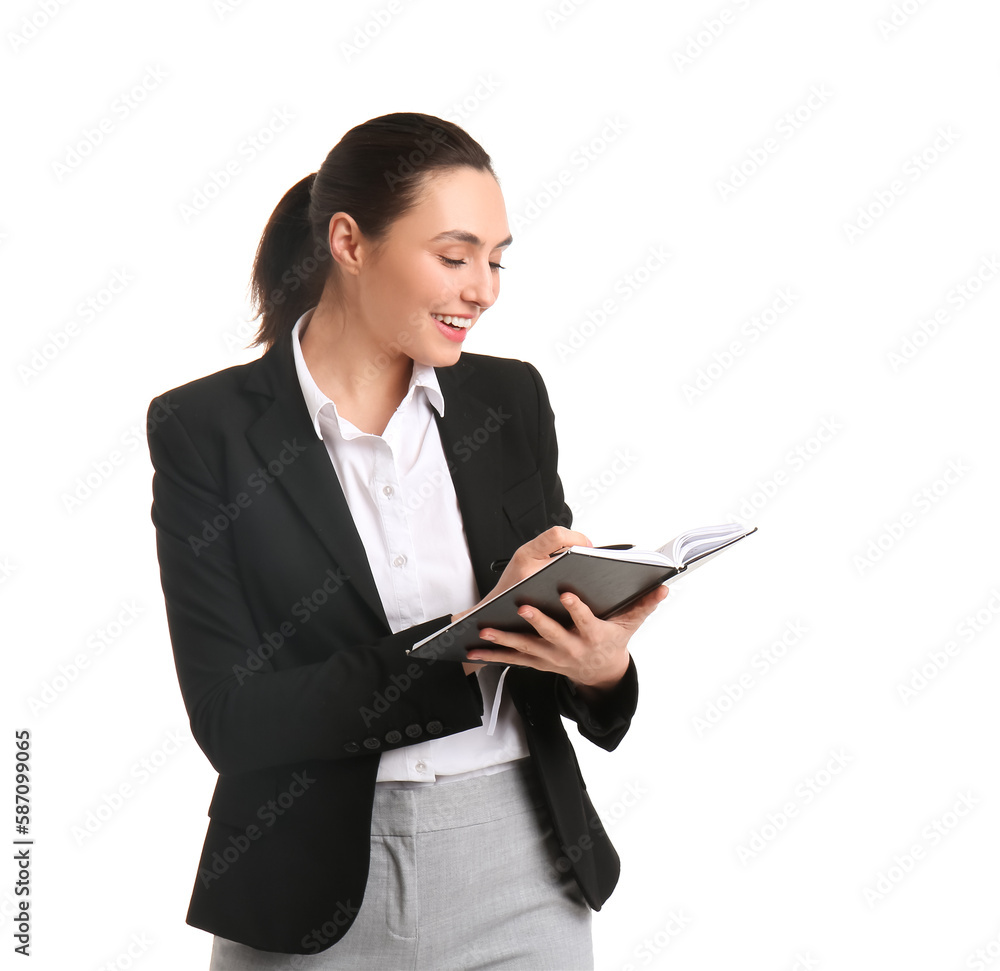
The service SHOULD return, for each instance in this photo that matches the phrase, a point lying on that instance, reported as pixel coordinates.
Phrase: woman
(320, 510)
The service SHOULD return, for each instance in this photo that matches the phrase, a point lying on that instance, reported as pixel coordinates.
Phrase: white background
(646, 141)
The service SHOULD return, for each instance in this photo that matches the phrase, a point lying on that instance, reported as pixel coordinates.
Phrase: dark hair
(374, 173)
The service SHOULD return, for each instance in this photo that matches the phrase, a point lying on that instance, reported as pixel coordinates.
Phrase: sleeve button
(435, 727)
(372, 743)
(393, 737)
(414, 731)
(352, 747)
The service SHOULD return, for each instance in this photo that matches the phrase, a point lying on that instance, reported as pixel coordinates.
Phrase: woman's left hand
(593, 653)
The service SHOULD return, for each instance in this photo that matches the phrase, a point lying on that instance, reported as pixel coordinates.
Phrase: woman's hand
(593, 654)
(528, 558)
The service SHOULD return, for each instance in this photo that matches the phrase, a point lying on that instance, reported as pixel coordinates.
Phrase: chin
(443, 356)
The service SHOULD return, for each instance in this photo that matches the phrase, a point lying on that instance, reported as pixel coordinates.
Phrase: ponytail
(289, 268)
(374, 173)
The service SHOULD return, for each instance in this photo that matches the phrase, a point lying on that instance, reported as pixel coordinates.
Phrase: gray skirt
(462, 876)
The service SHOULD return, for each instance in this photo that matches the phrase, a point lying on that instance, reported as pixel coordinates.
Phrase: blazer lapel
(310, 479)
(475, 460)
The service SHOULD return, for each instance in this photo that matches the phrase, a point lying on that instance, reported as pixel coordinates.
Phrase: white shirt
(403, 502)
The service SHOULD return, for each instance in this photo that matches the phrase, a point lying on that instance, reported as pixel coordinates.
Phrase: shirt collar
(423, 377)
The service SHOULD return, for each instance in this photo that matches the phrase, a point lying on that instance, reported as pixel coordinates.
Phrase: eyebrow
(464, 236)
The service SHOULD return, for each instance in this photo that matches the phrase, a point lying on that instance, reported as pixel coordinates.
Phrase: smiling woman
(405, 291)
(374, 811)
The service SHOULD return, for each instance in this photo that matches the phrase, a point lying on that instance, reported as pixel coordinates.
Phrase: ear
(347, 244)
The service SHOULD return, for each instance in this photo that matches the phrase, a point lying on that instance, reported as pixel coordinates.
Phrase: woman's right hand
(527, 559)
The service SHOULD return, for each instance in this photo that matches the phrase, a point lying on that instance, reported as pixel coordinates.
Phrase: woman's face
(441, 259)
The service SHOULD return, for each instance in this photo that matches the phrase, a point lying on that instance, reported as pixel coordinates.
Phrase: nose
(480, 285)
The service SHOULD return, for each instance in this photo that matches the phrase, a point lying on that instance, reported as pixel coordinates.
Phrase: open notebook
(606, 579)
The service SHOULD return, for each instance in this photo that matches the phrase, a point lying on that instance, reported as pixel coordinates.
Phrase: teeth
(463, 322)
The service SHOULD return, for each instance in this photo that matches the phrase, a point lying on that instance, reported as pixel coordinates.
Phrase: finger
(506, 640)
(546, 627)
(583, 647)
(651, 600)
(556, 537)
(582, 616)
(656, 597)
(512, 648)
(642, 608)
(505, 656)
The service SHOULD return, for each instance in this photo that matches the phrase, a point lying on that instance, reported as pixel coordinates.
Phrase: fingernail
(487, 637)
(568, 599)
(526, 613)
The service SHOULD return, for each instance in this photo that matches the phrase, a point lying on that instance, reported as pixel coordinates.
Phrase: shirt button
(387, 490)
(420, 766)
(398, 560)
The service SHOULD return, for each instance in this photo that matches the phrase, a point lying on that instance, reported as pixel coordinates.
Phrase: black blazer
(291, 678)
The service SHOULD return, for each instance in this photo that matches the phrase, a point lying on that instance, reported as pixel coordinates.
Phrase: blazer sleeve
(248, 712)
(603, 721)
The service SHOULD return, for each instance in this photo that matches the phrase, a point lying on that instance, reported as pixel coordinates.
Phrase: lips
(454, 332)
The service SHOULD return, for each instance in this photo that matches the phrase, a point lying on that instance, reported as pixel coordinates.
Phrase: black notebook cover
(604, 585)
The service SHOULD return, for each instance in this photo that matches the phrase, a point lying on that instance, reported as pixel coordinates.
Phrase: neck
(351, 368)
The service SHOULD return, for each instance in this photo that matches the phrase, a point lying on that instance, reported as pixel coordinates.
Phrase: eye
(448, 261)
